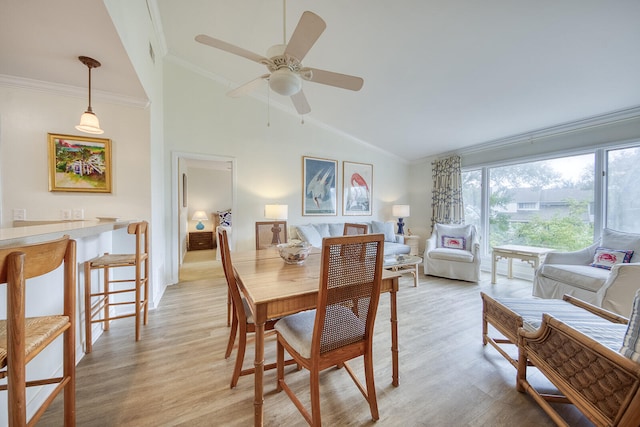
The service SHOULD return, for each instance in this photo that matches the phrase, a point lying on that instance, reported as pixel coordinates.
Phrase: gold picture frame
(79, 164)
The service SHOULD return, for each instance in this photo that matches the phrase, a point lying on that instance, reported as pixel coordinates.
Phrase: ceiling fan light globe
(285, 82)
(89, 123)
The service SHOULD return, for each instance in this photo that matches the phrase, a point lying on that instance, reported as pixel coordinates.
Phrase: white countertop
(40, 233)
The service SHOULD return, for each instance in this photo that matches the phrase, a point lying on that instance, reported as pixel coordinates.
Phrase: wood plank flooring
(177, 375)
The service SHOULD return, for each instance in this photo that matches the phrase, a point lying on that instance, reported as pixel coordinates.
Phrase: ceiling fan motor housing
(285, 82)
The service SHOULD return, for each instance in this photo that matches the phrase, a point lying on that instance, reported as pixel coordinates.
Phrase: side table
(414, 242)
(201, 240)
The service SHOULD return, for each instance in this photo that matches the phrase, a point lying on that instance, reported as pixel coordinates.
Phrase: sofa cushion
(622, 240)
(336, 229)
(396, 248)
(580, 276)
(308, 233)
(386, 228)
(607, 258)
(631, 343)
(453, 231)
(322, 229)
(451, 254)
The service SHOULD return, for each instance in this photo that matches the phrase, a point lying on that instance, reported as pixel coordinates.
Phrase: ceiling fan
(284, 62)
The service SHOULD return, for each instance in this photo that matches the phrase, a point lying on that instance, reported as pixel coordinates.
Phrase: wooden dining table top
(266, 279)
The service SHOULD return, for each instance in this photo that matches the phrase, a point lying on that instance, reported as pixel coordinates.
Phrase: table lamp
(276, 212)
(200, 216)
(401, 211)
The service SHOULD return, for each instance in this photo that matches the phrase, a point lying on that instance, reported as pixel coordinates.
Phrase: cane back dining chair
(341, 327)
(270, 233)
(351, 229)
(23, 338)
(99, 303)
(242, 319)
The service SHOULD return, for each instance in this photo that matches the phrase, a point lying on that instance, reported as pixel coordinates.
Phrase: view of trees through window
(545, 203)
(623, 193)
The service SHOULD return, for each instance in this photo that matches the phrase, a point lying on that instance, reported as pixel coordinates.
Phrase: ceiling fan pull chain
(268, 107)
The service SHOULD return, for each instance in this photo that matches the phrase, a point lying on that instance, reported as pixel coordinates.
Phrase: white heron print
(319, 186)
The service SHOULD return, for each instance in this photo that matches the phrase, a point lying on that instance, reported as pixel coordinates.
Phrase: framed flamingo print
(357, 188)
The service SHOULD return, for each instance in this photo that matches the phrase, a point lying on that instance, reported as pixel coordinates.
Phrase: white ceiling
(439, 75)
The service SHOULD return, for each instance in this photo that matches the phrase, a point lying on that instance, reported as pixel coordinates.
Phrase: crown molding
(72, 91)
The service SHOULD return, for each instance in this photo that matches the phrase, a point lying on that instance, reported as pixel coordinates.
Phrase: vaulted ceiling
(439, 75)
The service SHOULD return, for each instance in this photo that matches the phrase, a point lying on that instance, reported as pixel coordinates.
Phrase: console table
(529, 254)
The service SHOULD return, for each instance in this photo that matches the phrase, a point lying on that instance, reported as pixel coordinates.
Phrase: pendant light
(89, 121)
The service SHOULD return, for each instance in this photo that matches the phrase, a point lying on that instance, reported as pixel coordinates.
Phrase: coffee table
(529, 254)
(403, 263)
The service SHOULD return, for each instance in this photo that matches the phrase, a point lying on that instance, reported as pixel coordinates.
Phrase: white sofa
(572, 273)
(453, 251)
(314, 233)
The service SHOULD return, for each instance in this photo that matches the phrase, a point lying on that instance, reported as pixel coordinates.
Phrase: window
(623, 192)
(546, 203)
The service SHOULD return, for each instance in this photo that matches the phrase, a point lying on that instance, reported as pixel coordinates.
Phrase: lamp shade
(200, 216)
(276, 211)
(89, 123)
(401, 211)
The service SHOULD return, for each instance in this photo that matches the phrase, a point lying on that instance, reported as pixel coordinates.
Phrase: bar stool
(22, 338)
(100, 309)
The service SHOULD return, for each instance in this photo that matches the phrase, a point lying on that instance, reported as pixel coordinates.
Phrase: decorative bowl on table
(294, 252)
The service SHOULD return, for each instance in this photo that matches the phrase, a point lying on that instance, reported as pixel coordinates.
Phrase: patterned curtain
(447, 204)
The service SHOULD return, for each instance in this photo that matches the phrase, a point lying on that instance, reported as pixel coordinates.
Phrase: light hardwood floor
(177, 374)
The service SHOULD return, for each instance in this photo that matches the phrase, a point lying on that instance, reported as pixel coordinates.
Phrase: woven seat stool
(100, 303)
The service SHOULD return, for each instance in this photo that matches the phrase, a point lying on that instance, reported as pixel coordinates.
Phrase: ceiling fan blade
(248, 87)
(300, 102)
(227, 47)
(330, 78)
(305, 35)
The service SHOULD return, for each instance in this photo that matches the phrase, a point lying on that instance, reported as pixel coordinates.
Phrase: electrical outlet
(19, 214)
(65, 214)
(78, 214)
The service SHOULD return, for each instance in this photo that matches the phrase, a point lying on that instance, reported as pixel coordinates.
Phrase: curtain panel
(447, 204)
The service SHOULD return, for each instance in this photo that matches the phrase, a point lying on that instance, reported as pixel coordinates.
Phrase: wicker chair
(351, 229)
(22, 339)
(341, 328)
(98, 303)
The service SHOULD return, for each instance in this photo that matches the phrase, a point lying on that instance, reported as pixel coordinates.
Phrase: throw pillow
(322, 229)
(607, 258)
(225, 218)
(386, 228)
(336, 229)
(308, 233)
(453, 242)
(631, 343)
(457, 230)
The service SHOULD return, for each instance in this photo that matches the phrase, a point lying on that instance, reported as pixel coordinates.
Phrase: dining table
(274, 289)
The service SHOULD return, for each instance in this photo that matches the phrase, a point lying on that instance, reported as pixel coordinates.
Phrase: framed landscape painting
(357, 188)
(80, 164)
(319, 186)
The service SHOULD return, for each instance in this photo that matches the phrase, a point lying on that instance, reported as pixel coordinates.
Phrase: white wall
(28, 115)
(199, 118)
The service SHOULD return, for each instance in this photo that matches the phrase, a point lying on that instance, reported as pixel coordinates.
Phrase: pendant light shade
(89, 122)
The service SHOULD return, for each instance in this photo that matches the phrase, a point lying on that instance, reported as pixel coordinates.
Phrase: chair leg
(88, 346)
(229, 308)
(69, 371)
(232, 337)
(279, 365)
(242, 345)
(138, 284)
(371, 387)
(107, 289)
(314, 384)
(146, 291)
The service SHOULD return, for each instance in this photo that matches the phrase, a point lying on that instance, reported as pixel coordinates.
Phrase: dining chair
(341, 327)
(242, 319)
(270, 233)
(98, 304)
(352, 228)
(23, 338)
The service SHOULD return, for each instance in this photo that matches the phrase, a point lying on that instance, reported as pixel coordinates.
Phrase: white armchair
(453, 251)
(573, 273)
